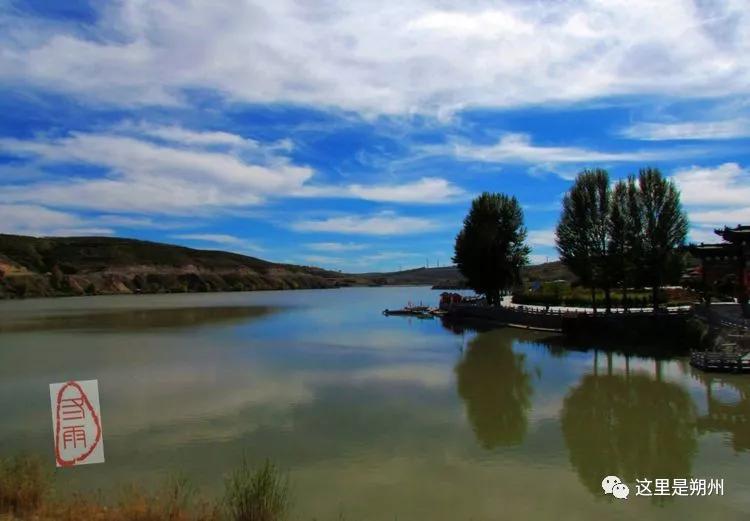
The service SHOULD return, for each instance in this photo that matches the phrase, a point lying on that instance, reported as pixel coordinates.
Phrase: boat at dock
(413, 311)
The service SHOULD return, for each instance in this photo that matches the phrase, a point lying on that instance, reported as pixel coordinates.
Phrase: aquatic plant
(250, 495)
(257, 495)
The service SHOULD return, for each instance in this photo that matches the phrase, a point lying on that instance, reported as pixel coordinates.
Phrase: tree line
(623, 236)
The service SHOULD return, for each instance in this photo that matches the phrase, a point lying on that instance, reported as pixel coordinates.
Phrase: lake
(373, 417)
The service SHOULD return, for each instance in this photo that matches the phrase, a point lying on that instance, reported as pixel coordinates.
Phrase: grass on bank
(563, 294)
(257, 495)
(23, 485)
(250, 495)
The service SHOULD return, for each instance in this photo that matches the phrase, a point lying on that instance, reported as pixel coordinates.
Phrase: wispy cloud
(411, 56)
(364, 261)
(36, 220)
(177, 174)
(714, 196)
(703, 234)
(146, 176)
(729, 217)
(689, 130)
(428, 190)
(384, 223)
(180, 135)
(725, 184)
(324, 261)
(177, 135)
(517, 148)
(541, 237)
(228, 241)
(336, 246)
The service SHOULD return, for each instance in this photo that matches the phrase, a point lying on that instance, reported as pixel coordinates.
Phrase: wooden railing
(543, 310)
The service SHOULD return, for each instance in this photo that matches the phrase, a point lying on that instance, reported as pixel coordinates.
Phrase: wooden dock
(724, 362)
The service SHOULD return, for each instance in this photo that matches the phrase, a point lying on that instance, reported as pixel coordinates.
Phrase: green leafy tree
(490, 249)
(583, 232)
(625, 235)
(665, 227)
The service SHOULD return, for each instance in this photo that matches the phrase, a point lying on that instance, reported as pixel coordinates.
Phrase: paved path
(506, 301)
(729, 314)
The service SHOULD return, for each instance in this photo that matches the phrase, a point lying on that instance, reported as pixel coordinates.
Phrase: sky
(353, 134)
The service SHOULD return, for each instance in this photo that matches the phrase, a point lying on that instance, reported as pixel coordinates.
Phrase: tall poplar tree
(582, 235)
(665, 227)
(625, 234)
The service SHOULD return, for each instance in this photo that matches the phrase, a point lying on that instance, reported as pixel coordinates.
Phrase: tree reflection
(632, 426)
(496, 388)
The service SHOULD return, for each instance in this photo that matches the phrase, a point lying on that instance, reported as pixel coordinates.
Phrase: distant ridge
(64, 266)
(58, 266)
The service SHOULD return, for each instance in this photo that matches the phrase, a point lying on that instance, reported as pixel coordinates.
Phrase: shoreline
(4, 296)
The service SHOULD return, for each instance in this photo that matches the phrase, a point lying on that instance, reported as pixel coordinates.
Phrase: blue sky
(353, 134)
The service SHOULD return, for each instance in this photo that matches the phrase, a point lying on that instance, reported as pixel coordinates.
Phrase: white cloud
(324, 261)
(124, 221)
(382, 57)
(182, 177)
(427, 190)
(364, 261)
(225, 240)
(484, 24)
(541, 237)
(725, 184)
(191, 137)
(177, 135)
(336, 246)
(518, 148)
(148, 177)
(384, 223)
(705, 235)
(23, 219)
(218, 238)
(687, 130)
(714, 196)
(720, 218)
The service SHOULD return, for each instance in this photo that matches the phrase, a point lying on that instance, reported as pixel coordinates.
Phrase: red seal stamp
(76, 423)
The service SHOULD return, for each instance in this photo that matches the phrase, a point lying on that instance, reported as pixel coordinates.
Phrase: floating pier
(413, 311)
(724, 362)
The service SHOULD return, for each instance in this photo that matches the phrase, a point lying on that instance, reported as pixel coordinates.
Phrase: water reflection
(137, 319)
(374, 417)
(496, 389)
(630, 425)
(726, 415)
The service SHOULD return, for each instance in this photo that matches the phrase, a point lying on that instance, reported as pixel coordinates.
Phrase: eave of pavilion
(737, 235)
(714, 250)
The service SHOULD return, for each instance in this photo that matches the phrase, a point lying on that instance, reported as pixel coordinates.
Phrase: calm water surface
(375, 418)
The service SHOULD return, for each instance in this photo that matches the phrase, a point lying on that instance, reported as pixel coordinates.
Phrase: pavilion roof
(739, 233)
(726, 248)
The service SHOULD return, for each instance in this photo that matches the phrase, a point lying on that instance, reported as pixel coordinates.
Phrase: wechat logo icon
(614, 485)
